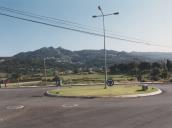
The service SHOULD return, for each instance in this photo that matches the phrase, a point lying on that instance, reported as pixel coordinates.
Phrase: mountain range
(66, 59)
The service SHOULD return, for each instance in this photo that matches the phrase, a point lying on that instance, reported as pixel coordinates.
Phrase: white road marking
(70, 105)
(15, 107)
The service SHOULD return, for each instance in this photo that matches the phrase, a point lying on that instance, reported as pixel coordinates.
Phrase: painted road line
(15, 107)
(70, 105)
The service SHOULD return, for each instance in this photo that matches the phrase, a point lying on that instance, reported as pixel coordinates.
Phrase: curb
(159, 91)
(141, 95)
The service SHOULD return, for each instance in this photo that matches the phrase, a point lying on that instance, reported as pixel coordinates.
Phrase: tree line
(153, 70)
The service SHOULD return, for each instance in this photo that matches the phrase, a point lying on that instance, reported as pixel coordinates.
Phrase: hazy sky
(149, 20)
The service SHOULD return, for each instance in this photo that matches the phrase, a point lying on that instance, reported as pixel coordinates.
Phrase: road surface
(51, 112)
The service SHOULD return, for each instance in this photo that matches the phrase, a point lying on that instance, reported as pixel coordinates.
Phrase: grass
(72, 79)
(94, 78)
(100, 91)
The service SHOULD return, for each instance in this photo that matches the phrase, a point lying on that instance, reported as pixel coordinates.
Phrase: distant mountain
(44, 53)
(83, 57)
(65, 59)
(155, 56)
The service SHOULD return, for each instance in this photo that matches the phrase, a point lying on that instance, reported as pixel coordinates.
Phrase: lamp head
(94, 16)
(116, 13)
(99, 8)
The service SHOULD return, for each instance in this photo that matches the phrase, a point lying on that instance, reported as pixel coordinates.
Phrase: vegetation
(100, 91)
(85, 66)
(153, 71)
(85, 78)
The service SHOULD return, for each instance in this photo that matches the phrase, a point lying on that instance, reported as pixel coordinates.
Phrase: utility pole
(104, 34)
(45, 71)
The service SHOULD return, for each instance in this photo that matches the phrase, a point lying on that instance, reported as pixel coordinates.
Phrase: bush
(170, 80)
(130, 79)
(155, 74)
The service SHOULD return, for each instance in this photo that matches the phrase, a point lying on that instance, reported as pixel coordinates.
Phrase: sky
(148, 20)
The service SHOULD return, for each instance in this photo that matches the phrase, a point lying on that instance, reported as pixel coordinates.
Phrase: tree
(156, 65)
(139, 77)
(169, 65)
(132, 68)
(164, 74)
(143, 66)
(113, 69)
(155, 74)
(16, 76)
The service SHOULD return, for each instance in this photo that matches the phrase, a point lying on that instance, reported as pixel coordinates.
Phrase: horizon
(82, 50)
(145, 21)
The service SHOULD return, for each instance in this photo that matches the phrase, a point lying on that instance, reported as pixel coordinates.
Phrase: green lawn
(94, 78)
(100, 91)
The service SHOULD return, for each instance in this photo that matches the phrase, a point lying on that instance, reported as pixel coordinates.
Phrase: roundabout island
(98, 91)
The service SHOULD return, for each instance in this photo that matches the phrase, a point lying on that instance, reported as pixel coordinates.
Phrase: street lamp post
(104, 34)
(45, 71)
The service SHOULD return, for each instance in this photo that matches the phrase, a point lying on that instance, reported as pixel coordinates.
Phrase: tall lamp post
(45, 69)
(105, 59)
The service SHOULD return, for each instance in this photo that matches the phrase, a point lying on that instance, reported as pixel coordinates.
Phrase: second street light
(45, 69)
(104, 34)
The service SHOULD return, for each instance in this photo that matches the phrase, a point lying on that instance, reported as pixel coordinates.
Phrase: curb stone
(159, 91)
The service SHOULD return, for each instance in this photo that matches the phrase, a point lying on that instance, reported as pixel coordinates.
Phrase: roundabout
(99, 91)
(43, 112)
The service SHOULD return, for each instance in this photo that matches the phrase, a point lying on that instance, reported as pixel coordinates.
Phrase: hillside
(61, 58)
(79, 57)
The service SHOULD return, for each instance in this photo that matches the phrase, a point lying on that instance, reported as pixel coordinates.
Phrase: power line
(48, 24)
(75, 25)
(47, 18)
(81, 31)
(68, 23)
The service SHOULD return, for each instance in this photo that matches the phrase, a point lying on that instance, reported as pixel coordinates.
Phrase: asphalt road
(49, 112)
